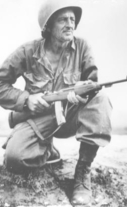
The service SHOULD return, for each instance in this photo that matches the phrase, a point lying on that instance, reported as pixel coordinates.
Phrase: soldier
(57, 60)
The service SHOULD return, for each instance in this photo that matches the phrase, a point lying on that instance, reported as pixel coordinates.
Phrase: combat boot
(82, 185)
(82, 180)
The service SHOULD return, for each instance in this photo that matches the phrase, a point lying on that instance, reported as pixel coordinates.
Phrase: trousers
(89, 123)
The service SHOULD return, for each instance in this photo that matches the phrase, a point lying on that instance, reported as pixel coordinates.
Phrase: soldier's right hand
(36, 103)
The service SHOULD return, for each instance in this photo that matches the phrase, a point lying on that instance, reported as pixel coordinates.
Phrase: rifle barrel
(113, 82)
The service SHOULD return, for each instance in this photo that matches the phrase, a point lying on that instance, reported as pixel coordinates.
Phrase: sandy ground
(53, 185)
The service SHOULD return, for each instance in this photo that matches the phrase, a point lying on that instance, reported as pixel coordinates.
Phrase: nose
(69, 23)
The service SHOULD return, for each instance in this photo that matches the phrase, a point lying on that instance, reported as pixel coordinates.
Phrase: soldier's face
(63, 25)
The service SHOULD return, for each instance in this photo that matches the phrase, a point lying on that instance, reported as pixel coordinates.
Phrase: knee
(102, 99)
(13, 159)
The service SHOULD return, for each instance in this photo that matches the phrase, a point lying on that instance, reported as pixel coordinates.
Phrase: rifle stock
(86, 89)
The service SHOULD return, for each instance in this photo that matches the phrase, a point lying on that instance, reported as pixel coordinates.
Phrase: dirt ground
(52, 186)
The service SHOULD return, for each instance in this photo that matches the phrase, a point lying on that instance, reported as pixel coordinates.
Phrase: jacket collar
(40, 49)
(40, 52)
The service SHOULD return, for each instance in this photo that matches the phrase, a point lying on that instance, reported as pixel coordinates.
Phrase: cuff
(21, 101)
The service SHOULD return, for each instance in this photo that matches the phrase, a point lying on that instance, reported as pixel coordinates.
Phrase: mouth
(68, 32)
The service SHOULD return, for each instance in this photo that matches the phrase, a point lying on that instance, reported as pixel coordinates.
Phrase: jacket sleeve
(12, 68)
(89, 69)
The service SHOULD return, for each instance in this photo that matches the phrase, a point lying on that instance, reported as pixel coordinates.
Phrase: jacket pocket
(35, 84)
(71, 78)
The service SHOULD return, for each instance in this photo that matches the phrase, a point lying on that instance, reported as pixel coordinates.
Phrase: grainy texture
(52, 186)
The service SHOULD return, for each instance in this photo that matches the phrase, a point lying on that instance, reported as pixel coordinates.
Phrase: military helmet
(49, 7)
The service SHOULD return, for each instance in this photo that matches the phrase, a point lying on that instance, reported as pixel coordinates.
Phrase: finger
(37, 109)
(40, 107)
(43, 103)
(79, 83)
(72, 97)
(82, 100)
(35, 112)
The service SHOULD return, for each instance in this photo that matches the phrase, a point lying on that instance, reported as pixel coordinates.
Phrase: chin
(69, 38)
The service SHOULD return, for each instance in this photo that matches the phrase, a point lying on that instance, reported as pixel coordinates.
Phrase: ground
(52, 186)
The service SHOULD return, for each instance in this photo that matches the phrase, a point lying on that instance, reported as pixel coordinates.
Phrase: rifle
(85, 89)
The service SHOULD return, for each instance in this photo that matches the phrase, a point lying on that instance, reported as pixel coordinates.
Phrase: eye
(62, 19)
(73, 19)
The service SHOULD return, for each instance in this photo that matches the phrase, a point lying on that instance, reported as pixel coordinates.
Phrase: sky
(103, 25)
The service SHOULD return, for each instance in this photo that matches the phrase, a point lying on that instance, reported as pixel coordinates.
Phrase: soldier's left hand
(75, 99)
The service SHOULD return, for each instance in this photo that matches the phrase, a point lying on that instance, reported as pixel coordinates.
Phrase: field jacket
(30, 61)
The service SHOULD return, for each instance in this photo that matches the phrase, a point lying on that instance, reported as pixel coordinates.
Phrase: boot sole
(53, 161)
(56, 160)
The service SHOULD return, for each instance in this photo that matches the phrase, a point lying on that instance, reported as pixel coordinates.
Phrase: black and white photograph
(63, 103)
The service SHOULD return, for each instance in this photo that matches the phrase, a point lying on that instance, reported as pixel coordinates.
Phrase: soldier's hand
(36, 103)
(75, 99)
